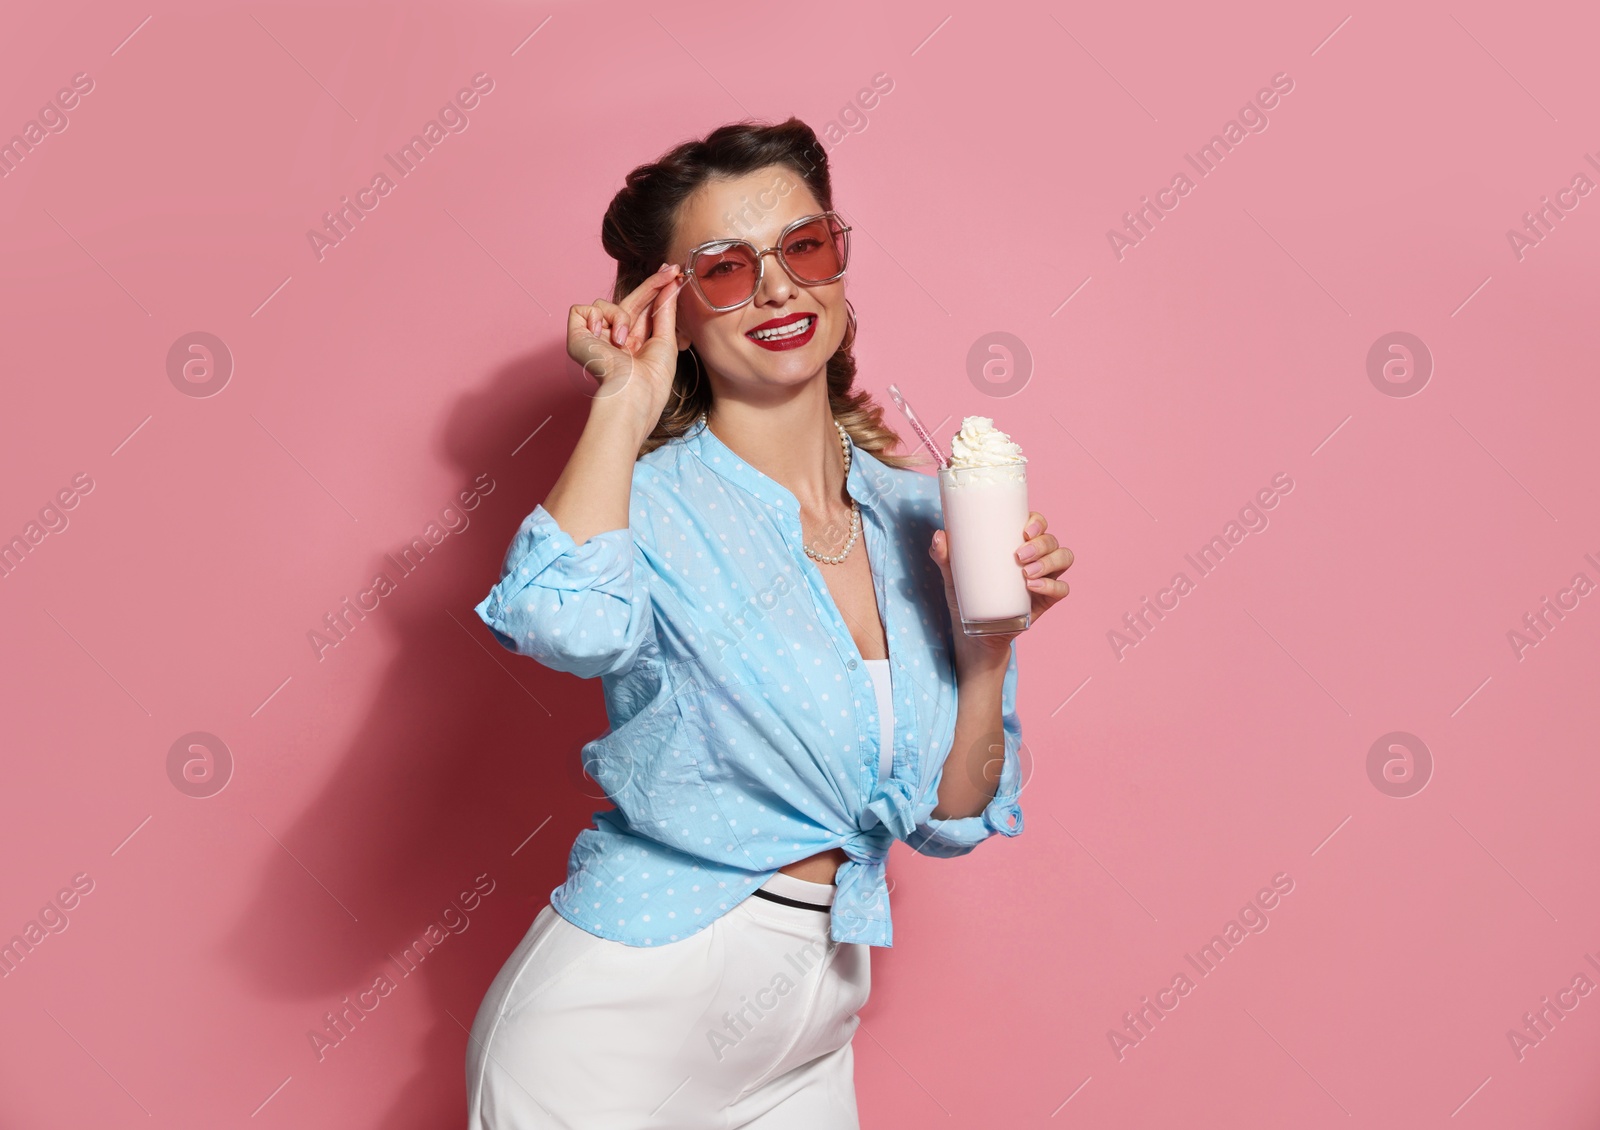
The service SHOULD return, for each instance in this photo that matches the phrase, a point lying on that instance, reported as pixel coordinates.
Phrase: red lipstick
(786, 337)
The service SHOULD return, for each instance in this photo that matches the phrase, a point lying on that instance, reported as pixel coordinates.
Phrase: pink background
(372, 785)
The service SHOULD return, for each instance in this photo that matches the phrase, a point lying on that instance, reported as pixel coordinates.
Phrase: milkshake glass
(984, 495)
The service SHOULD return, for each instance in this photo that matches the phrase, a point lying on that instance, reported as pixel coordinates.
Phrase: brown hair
(639, 224)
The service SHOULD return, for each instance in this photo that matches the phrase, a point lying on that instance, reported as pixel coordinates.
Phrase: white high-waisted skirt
(746, 1023)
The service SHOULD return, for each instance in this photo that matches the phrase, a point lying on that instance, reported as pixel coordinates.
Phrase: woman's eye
(803, 246)
(718, 269)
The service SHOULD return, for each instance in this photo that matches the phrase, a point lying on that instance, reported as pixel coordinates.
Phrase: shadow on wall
(465, 750)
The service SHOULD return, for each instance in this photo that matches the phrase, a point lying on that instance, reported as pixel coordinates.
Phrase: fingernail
(620, 334)
(1034, 569)
(1027, 553)
(663, 267)
(1033, 530)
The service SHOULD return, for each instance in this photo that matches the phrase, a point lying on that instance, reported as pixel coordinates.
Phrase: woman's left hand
(1043, 561)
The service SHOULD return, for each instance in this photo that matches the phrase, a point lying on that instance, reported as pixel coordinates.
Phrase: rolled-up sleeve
(584, 608)
(1003, 814)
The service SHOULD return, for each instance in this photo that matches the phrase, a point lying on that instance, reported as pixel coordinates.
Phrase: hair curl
(639, 225)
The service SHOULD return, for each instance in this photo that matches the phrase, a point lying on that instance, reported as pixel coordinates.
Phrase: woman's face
(756, 207)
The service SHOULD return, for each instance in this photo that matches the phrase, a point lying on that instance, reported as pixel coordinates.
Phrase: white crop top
(879, 669)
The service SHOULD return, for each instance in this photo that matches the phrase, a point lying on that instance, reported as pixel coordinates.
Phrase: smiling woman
(763, 589)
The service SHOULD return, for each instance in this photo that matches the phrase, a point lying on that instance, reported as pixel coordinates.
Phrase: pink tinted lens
(815, 252)
(726, 277)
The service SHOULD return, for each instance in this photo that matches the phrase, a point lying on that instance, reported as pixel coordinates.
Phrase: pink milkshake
(984, 494)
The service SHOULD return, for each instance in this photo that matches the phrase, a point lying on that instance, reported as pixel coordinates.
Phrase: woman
(763, 590)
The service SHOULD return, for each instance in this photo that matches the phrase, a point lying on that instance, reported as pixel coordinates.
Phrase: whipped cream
(980, 444)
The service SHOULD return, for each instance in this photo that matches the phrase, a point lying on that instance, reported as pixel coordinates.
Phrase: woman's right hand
(630, 348)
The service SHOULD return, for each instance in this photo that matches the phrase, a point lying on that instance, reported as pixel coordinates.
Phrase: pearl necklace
(855, 509)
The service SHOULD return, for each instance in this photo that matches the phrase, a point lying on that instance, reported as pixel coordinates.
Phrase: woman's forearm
(591, 494)
(972, 767)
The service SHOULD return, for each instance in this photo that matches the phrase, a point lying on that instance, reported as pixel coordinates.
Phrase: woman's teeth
(782, 332)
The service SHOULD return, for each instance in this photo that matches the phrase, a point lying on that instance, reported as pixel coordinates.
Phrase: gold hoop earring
(682, 399)
(854, 325)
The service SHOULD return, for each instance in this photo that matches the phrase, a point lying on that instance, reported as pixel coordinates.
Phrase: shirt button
(852, 665)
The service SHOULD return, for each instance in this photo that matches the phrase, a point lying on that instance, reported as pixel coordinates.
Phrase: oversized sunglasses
(727, 272)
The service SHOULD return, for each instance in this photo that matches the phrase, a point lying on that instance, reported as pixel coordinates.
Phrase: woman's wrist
(977, 656)
(626, 415)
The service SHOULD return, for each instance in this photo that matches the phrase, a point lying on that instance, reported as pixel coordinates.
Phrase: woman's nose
(776, 286)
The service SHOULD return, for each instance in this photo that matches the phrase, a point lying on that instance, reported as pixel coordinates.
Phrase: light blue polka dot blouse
(744, 724)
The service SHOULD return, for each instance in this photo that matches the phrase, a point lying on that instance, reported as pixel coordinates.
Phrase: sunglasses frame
(761, 258)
